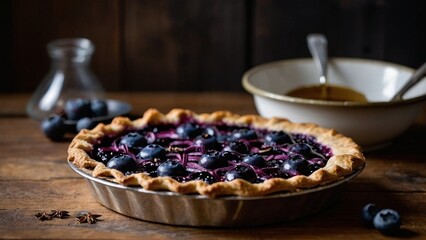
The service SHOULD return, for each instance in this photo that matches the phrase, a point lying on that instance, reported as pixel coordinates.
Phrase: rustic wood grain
(34, 177)
(194, 45)
(383, 30)
(185, 45)
(35, 23)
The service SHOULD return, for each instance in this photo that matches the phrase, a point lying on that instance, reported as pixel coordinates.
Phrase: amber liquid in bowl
(328, 93)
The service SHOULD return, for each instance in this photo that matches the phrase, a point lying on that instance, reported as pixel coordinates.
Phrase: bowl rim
(281, 97)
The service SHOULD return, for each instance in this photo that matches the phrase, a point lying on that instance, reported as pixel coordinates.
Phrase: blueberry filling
(211, 152)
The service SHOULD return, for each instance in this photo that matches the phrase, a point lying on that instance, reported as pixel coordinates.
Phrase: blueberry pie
(215, 154)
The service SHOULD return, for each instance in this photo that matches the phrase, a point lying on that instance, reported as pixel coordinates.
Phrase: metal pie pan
(201, 211)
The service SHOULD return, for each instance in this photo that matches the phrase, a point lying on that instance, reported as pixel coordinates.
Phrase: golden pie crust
(347, 157)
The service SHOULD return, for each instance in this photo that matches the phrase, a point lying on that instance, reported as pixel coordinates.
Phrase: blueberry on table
(255, 160)
(78, 108)
(277, 138)
(241, 172)
(387, 221)
(368, 213)
(171, 168)
(99, 108)
(152, 151)
(85, 123)
(54, 127)
(133, 140)
(122, 163)
(212, 160)
(189, 130)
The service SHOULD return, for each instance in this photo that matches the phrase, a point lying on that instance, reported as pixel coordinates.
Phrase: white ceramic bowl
(371, 124)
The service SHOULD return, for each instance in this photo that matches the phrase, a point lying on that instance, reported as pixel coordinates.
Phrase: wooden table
(34, 177)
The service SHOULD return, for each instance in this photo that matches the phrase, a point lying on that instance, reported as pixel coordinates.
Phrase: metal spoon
(317, 44)
(413, 80)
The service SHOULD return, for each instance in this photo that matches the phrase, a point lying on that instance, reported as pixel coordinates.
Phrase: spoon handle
(317, 44)
(414, 79)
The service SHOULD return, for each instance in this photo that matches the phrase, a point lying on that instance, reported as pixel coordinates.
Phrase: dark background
(201, 45)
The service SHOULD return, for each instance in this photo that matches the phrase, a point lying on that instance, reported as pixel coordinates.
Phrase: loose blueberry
(133, 140)
(368, 213)
(296, 166)
(241, 172)
(78, 108)
(248, 134)
(237, 146)
(387, 221)
(85, 123)
(277, 138)
(212, 160)
(189, 130)
(54, 127)
(255, 160)
(171, 168)
(99, 108)
(152, 151)
(203, 176)
(207, 141)
(122, 163)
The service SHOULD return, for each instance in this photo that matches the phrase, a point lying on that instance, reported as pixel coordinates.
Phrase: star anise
(87, 217)
(59, 213)
(43, 216)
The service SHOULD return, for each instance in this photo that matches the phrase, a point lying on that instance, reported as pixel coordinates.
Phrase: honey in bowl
(328, 93)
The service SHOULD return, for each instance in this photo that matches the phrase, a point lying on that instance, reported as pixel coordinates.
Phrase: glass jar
(69, 77)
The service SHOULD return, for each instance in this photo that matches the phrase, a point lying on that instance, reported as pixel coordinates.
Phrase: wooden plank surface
(34, 177)
(36, 23)
(375, 29)
(192, 45)
(186, 46)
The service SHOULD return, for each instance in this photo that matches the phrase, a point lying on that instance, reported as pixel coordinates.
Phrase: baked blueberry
(241, 172)
(122, 163)
(237, 146)
(78, 108)
(85, 123)
(387, 221)
(171, 168)
(152, 151)
(104, 155)
(99, 108)
(255, 160)
(248, 134)
(203, 176)
(149, 167)
(302, 148)
(133, 140)
(296, 165)
(368, 213)
(277, 138)
(212, 160)
(207, 141)
(54, 127)
(189, 130)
